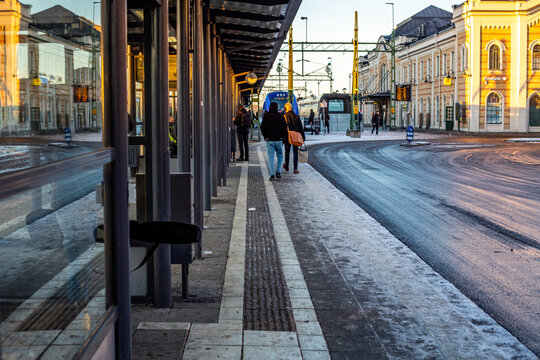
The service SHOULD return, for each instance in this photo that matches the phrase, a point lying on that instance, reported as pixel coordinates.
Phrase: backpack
(246, 120)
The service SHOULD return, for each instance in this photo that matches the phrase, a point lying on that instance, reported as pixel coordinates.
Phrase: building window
(463, 58)
(409, 73)
(536, 57)
(437, 110)
(383, 78)
(429, 68)
(444, 64)
(494, 109)
(452, 64)
(422, 70)
(494, 57)
(437, 66)
(534, 110)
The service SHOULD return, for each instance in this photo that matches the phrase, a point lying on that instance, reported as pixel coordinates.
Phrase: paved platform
(293, 269)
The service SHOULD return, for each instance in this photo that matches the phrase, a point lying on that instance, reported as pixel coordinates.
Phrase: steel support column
(156, 57)
(183, 87)
(197, 119)
(207, 111)
(115, 189)
(215, 112)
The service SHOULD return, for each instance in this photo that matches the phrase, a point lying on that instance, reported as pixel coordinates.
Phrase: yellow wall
(502, 34)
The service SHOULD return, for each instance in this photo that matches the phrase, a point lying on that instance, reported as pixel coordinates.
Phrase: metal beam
(331, 47)
(255, 44)
(243, 15)
(264, 2)
(249, 29)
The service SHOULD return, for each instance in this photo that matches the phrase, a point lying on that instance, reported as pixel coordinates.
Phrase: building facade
(475, 69)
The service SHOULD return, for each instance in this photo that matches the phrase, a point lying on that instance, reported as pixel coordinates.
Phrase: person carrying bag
(295, 137)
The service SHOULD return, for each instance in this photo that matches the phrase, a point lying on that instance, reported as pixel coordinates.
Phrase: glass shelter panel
(52, 269)
(51, 266)
(51, 53)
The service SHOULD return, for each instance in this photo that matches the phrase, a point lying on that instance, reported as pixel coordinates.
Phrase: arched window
(494, 109)
(534, 110)
(536, 57)
(494, 57)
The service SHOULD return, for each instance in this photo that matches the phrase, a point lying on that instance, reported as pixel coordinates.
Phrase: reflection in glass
(51, 268)
(50, 78)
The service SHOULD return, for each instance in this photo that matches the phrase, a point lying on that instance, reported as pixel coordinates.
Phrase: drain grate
(266, 299)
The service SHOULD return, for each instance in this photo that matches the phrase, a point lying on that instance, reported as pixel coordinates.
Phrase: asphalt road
(470, 208)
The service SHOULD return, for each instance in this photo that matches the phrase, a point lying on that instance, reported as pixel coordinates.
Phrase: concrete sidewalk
(293, 269)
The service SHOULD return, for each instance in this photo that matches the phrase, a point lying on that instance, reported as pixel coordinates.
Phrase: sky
(334, 21)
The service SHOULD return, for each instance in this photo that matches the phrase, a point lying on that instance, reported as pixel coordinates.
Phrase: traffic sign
(410, 133)
(67, 134)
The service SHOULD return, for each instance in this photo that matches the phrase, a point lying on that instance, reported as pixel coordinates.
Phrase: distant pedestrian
(375, 123)
(274, 129)
(294, 123)
(311, 120)
(242, 120)
(327, 120)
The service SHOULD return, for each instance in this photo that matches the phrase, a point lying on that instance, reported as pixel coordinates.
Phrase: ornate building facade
(476, 69)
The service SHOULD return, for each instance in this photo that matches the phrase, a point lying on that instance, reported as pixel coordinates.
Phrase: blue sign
(67, 133)
(410, 133)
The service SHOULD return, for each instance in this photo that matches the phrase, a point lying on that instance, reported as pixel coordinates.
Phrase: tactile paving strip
(266, 298)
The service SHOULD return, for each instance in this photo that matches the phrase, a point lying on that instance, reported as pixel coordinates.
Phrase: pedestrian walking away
(375, 123)
(242, 120)
(327, 120)
(311, 121)
(274, 130)
(294, 124)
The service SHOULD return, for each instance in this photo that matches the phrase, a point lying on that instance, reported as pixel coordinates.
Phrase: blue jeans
(274, 148)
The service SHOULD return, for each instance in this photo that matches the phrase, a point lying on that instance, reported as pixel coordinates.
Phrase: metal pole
(183, 88)
(355, 72)
(290, 95)
(197, 115)
(215, 112)
(393, 73)
(160, 153)
(207, 121)
(115, 189)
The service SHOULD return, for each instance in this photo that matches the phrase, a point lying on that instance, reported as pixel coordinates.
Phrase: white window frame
(445, 64)
(501, 115)
(502, 49)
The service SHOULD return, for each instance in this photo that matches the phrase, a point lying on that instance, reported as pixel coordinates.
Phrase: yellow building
(479, 64)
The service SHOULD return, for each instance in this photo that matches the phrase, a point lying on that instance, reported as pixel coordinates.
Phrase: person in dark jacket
(311, 120)
(294, 123)
(242, 132)
(375, 123)
(274, 129)
(327, 120)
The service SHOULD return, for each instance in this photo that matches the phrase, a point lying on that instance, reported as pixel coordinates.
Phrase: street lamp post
(329, 71)
(303, 18)
(393, 72)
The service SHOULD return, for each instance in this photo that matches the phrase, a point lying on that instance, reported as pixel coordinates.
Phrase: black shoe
(246, 159)
(278, 175)
(286, 167)
(271, 177)
(239, 159)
